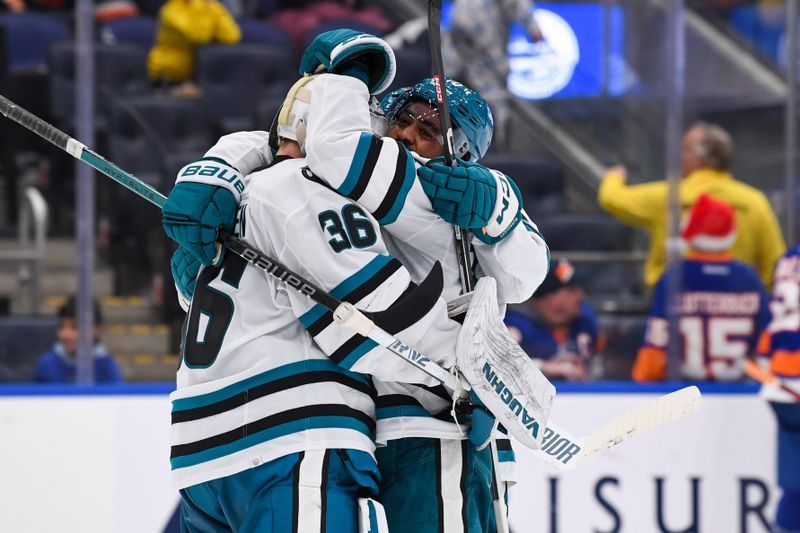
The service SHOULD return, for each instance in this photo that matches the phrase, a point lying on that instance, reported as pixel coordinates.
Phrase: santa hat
(711, 226)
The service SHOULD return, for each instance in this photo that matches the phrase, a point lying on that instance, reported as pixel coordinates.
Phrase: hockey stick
(560, 448)
(762, 376)
(343, 312)
(565, 452)
(446, 125)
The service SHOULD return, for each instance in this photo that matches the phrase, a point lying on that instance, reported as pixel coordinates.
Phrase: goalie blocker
(499, 372)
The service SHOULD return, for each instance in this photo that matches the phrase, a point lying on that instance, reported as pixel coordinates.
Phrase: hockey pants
(314, 491)
(436, 486)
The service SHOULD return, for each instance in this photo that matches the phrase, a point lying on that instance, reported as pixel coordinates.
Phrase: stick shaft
(762, 376)
(446, 124)
(77, 150)
(234, 244)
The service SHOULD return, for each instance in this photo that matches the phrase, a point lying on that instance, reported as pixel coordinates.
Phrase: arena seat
(624, 335)
(120, 72)
(235, 79)
(140, 30)
(539, 178)
(413, 64)
(29, 36)
(255, 31)
(22, 341)
(153, 136)
(597, 232)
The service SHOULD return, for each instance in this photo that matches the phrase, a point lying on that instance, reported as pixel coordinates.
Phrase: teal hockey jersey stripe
(292, 369)
(186, 455)
(405, 174)
(347, 286)
(366, 155)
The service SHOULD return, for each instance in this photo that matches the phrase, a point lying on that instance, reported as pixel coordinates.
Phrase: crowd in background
(559, 325)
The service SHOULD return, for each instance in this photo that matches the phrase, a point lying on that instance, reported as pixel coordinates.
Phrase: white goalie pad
(502, 375)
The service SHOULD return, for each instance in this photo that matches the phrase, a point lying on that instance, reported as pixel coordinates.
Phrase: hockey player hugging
(279, 408)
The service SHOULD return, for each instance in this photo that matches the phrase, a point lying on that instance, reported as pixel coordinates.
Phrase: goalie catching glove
(205, 199)
(352, 53)
(472, 196)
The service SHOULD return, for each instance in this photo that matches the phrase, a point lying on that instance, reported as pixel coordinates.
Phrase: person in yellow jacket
(706, 156)
(183, 26)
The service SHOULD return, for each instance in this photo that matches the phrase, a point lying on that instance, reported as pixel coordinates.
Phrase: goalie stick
(648, 416)
(446, 125)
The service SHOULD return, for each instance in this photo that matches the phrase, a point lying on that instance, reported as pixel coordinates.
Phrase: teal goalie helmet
(472, 119)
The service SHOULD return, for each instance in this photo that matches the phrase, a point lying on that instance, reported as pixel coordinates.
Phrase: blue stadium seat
(120, 72)
(29, 37)
(413, 64)
(597, 232)
(624, 335)
(539, 178)
(153, 136)
(235, 79)
(22, 341)
(256, 31)
(140, 30)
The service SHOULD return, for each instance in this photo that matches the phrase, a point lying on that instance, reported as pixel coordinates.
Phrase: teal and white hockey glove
(185, 266)
(352, 53)
(472, 196)
(205, 198)
(483, 424)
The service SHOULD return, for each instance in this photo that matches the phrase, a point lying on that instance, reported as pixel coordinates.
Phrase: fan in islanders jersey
(722, 304)
(779, 352)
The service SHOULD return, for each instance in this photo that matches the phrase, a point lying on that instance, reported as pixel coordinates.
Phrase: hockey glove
(185, 267)
(352, 53)
(204, 199)
(483, 424)
(472, 196)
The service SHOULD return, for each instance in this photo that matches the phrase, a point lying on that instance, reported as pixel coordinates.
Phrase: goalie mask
(291, 120)
(472, 119)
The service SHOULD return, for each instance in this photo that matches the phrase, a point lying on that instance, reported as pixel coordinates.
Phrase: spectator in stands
(108, 10)
(476, 50)
(300, 19)
(58, 365)
(722, 306)
(706, 157)
(557, 327)
(183, 27)
(21, 6)
(779, 351)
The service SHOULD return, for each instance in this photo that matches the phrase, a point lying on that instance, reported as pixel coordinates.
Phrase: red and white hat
(711, 225)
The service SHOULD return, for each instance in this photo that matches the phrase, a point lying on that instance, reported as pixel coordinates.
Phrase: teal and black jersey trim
(353, 289)
(292, 376)
(403, 405)
(361, 172)
(322, 416)
(404, 175)
(275, 380)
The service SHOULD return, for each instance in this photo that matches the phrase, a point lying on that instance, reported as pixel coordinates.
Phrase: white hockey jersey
(380, 174)
(265, 371)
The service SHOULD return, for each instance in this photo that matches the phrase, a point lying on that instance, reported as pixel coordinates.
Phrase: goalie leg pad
(500, 373)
